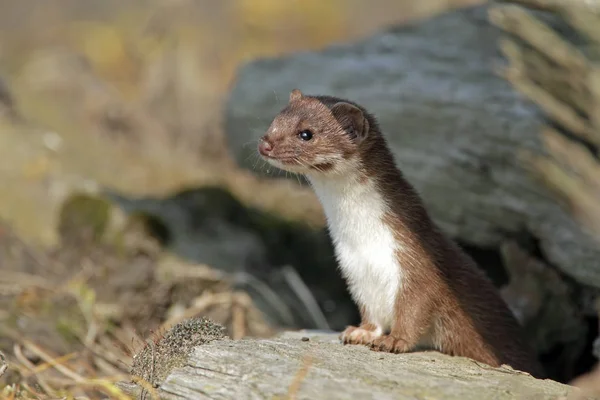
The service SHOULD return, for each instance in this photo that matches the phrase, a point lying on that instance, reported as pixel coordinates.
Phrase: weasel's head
(315, 135)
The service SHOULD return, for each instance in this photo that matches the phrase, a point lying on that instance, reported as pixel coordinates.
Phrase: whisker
(257, 160)
(296, 175)
(265, 166)
(251, 155)
(305, 164)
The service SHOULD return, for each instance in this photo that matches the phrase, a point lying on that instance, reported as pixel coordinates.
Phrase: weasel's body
(414, 286)
(366, 251)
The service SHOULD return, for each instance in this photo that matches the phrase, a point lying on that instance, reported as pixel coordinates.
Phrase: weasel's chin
(285, 166)
(275, 162)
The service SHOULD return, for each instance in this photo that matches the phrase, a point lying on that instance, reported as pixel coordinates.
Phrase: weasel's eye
(305, 135)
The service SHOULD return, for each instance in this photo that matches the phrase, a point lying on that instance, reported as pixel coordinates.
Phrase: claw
(389, 344)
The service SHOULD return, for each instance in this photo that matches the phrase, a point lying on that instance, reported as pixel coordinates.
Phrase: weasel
(414, 286)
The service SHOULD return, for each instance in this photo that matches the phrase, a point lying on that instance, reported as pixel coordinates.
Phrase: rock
(457, 131)
(544, 304)
(322, 368)
(454, 126)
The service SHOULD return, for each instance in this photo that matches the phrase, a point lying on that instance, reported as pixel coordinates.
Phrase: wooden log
(305, 365)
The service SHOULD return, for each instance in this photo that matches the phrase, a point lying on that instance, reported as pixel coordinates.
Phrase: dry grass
(94, 323)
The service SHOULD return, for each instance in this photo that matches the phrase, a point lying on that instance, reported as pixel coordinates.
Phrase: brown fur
(446, 301)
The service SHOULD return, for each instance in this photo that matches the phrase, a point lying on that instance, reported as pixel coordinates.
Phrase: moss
(83, 216)
(164, 353)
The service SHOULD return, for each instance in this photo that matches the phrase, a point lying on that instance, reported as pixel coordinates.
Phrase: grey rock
(322, 368)
(454, 127)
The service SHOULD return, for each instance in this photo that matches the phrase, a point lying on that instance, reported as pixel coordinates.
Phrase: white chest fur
(365, 246)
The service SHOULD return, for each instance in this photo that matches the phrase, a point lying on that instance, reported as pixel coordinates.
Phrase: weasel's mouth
(285, 161)
(273, 158)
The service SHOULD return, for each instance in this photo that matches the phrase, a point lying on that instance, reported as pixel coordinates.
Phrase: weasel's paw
(356, 335)
(389, 344)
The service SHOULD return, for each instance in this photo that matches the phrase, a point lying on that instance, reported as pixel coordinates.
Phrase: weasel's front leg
(412, 322)
(365, 333)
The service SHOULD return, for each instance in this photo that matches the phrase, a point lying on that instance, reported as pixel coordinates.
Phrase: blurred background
(141, 73)
(124, 209)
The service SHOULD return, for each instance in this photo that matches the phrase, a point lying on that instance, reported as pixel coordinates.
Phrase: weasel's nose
(264, 147)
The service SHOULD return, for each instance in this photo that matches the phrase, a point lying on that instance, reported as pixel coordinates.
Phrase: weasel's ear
(352, 119)
(295, 95)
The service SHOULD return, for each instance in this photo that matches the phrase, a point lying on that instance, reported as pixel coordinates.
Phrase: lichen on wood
(169, 350)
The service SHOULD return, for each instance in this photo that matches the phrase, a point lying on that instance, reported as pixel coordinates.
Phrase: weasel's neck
(349, 200)
(354, 200)
(342, 189)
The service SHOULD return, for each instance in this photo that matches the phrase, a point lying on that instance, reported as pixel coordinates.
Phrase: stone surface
(454, 126)
(321, 368)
